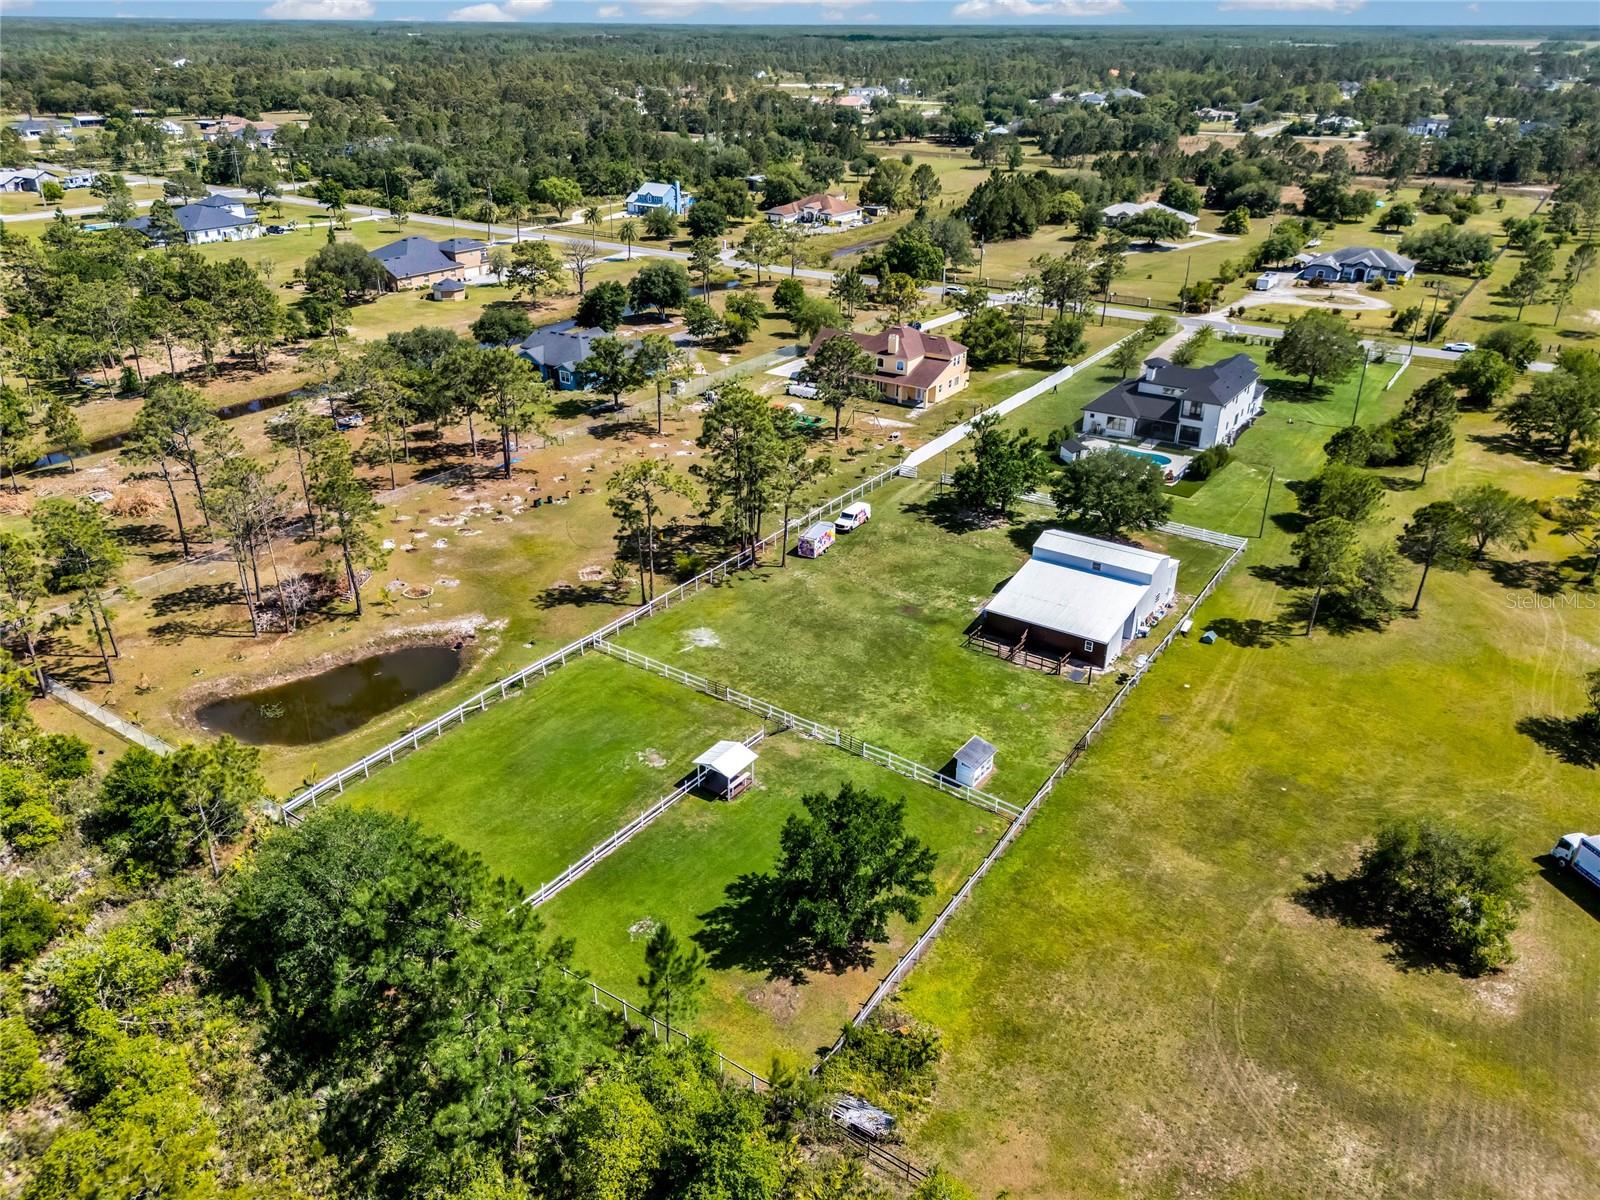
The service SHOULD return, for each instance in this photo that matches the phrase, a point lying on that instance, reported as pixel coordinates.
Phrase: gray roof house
(652, 195)
(557, 350)
(1357, 264)
(1116, 214)
(30, 128)
(217, 218)
(1193, 407)
(415, 262)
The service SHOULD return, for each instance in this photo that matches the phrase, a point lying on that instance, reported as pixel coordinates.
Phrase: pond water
(342, 698)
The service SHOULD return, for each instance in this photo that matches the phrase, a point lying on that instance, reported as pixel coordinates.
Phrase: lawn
(1169, 1021)
(533, 782)
(894, 601)
(677, 873)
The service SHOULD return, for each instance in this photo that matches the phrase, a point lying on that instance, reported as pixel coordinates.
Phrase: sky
(1463, 14)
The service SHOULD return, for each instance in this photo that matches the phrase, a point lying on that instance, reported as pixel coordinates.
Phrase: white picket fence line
(618, 839)
(828, 734)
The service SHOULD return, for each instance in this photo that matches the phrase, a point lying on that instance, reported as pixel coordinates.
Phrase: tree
(674, 976)
(1578, 517)
(899, 295)
(841, 371)
(659, 285)
(82, 555)
(22, 591)
(794, 472)
(850, 290)
(348, 267)
(628, 231)
(1563, 405)
(1317, 345)
(788, 296)
(348, 514)
(758, 247)
(1445, 248)
(989, 337)
(1064, 340)
(535, 267)
(703, 261)
(700, 320)
(636, 492)
(63, 431)
(740, 465)
(1443, 893)
(846, 867)
(661, 222)
(1192, 346)
(999, 467)
(18, 447)
(580, 258)
(245, 503)
(559, 193)
(156, 814)
(503, 324)
(1327, 552)
(1341, 490)
(1493, 516)
(659, 362)
(1436, 536)
(1155, 225)
(503, 385)
(1517, 344)
(925, 182)
(707, 219)
(889, 185)
(1184, 197)
(1128, 357)
(1484, 375)
(1235, 223)
(813, 315)
(603, 306)
(1111, 494)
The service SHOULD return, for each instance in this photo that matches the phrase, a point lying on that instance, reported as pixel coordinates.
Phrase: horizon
(1480, 17)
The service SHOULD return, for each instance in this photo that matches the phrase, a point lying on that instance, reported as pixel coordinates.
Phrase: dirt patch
(651, 757)
(701, 638)
(779, 998)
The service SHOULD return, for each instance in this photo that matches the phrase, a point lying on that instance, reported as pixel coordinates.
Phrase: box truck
(1581, 852)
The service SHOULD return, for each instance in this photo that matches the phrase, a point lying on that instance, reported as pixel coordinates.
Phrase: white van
(854, 516)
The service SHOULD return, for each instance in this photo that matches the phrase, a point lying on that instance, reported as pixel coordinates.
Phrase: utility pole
(1366, 357)
(1272, 474)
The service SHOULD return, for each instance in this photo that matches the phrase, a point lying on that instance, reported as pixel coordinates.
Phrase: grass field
(1169, 1021)
(893, 601)
(677, 873)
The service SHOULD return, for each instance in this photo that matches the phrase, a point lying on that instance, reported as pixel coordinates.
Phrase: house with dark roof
(419, 262)
(1357, 264)
(650, 196)
(556, 350)
(1196, 407)
(30, 129)
(915, 369)
(217, 218)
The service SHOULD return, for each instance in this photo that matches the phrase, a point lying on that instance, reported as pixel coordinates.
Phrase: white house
(1197, 407)
(1429, 127)
(817, 209)
(1081, 597)
(217, 218)
(1116, 214)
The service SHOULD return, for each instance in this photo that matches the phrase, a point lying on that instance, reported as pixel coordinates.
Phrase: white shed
(974, 762)
(729, 769)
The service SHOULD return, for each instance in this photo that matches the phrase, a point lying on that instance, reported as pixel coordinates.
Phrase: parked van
(854, 516)
(1265, 283)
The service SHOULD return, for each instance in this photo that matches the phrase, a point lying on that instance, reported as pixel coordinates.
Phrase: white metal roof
(727, 758)
(1136, 558)
(975, 752)
(1067, 600)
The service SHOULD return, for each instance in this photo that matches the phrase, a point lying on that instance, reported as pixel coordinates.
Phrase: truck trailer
(1580, 852)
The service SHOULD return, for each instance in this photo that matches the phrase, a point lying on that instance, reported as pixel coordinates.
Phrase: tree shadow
(942, 511)
(1513, 446)
(1399, 483)
(1570, 884)
(1526, 575)
(1346, 902)
(1297, 391)
(751, 930)
(1252, 633)
(1573, 740)
(584, 594)
(194, 598)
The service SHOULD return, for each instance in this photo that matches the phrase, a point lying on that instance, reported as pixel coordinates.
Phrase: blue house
(1357, 264)
(556, 351)
(670, 196)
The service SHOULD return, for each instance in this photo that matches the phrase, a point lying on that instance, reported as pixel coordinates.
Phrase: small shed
(1071, 450)
(974, 762)
(814, 542)
(449, 289)
(729, 769)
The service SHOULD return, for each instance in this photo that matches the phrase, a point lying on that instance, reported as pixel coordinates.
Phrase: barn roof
(727, 758)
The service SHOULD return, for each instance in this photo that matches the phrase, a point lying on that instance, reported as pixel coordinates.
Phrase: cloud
(609, 12)
(15, 6)
(839, 14)
(1292, 6)
(509, 10)
(319, 10)
(1038, 8)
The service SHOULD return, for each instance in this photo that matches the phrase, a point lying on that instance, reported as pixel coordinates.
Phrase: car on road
(1459, 347)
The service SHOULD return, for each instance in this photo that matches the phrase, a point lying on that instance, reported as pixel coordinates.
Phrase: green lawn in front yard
(677, 871)
(870, 638)
(539, 778)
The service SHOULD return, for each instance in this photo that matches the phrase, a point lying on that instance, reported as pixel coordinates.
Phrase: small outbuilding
(974, 762)
(449, 289)
(814, 542)
(729, 769)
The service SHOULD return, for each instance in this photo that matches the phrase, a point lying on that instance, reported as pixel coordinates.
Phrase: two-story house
(1196, 407)
(419, 262)
(558, 351)
(915, 369)
(650, 196)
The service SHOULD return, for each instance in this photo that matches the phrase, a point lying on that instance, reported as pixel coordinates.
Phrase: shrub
(1586, 458)
(1208, 462)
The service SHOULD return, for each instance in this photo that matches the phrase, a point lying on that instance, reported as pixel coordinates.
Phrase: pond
(318, 707)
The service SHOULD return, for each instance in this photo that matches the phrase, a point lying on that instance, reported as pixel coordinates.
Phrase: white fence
(829, 734)
(581, 868)
(103, 716)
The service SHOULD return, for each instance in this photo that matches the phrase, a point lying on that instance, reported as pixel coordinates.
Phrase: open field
(16, 203)
(1169, 1020)
(677, 871)
(894, 600)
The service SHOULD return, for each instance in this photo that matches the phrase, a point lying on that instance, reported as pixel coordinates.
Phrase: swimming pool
(1161, 460)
